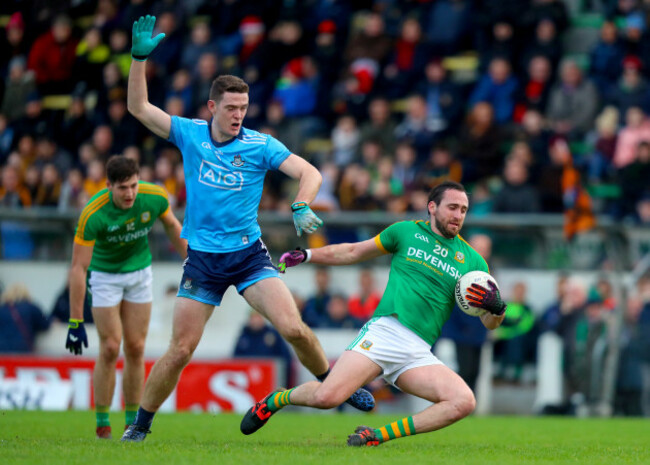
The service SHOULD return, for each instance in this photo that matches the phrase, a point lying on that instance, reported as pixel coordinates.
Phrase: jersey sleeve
(157, 198)
(87, 227)
(275, 154)
(388, 239)
(177, 131)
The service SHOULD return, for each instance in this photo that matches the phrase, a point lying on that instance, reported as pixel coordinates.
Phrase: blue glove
(143, 43)
(76, 336)
(304, 219)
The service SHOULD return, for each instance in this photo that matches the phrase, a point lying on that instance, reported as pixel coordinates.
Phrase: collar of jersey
(240, 135)
(438, 236)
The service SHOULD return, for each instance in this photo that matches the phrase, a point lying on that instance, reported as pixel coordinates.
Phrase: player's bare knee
(326, 399)
(134, 350)
(463, 405)
(180, 354)
(109, 350)
(296, 334)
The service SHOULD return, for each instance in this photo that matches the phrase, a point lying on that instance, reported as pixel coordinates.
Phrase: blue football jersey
(224, 183)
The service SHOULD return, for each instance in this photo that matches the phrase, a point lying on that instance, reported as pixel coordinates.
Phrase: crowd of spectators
(533, 127)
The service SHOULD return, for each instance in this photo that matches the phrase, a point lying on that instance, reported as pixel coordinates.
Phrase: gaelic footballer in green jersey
(111, 246)
(428, 258)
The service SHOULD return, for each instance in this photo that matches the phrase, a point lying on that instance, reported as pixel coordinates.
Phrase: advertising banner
(37, 383)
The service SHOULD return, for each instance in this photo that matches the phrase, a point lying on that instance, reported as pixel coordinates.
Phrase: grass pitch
(299, 439)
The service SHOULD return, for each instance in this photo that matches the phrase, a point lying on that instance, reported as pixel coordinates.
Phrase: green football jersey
(119, 236)
(423, 274)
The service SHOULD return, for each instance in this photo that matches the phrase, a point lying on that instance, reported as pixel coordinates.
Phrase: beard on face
(443, 228)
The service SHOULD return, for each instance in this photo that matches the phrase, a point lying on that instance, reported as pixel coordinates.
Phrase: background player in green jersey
(111, 243)
(428, 258)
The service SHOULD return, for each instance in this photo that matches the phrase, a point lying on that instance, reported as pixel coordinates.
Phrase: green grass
(297, 439)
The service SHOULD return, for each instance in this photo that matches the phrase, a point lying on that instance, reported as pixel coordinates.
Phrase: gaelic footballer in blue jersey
(224, 165)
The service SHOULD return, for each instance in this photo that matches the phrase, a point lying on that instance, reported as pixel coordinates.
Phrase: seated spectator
(371, 42)
(634, 180)
(417, 128)
(404, 170)
(536, 134)
(168, 57)
(258, 339)
(14, 42)
(95, 178)
(498, 88)
(316, 305)
(406, 61)
(379, 125)
(49, 189)
(72, 194)
(479, 148)
(6, 138)
(606, 58)
(13, 193)
(444, 97)
(636, 130)
(20, 320)
(363, 303)
(632, 89)
(345, 141)
(449, 26)
(52, 57)
(502, 44)
(337, 315)
(19, 86)
(599, 162)
(441, 166)
(35, 121)
(92, 55)
(516, 195)
(573, 102)
(551, 316)
(207, 68)
(533, 94)
(200, 42)
(545, 42)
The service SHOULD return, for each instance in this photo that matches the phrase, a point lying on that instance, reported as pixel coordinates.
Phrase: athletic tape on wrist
(308, 255)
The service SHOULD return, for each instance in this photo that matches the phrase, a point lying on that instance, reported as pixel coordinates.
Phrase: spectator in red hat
(632, 88)
(13, 43)
(53, 56)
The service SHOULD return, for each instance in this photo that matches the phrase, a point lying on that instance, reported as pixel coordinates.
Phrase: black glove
(76, 336)
(487, 299)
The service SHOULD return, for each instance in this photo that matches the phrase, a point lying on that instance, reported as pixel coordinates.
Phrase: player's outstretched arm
(337, 254)
(173, 230)
(304, 219)
(155, 119)
(81, 256)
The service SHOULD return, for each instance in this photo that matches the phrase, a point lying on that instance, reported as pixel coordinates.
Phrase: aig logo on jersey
(145, 217)
(217, 176)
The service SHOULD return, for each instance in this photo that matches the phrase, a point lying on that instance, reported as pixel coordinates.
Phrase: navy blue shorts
(206, 275)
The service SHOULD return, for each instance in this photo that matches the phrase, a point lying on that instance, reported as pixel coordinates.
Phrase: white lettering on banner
(232, 386)
(81, 379)
(435, 261)
(39, 395)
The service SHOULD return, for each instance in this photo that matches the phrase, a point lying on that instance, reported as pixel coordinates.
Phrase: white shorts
(393, 347)
(109, 289)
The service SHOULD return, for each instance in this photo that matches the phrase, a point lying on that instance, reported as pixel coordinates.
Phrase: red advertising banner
(61, 383)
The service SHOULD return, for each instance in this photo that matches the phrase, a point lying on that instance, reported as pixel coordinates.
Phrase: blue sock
(322, 377)
(144, 418)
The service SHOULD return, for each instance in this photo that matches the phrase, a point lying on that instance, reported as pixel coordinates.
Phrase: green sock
(101, 415)
(396, 429)
(279, 400)
(129, 413)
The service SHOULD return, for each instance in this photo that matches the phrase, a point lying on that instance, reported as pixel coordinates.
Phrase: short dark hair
(227, 83)
(120, 168)
(438, 192)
